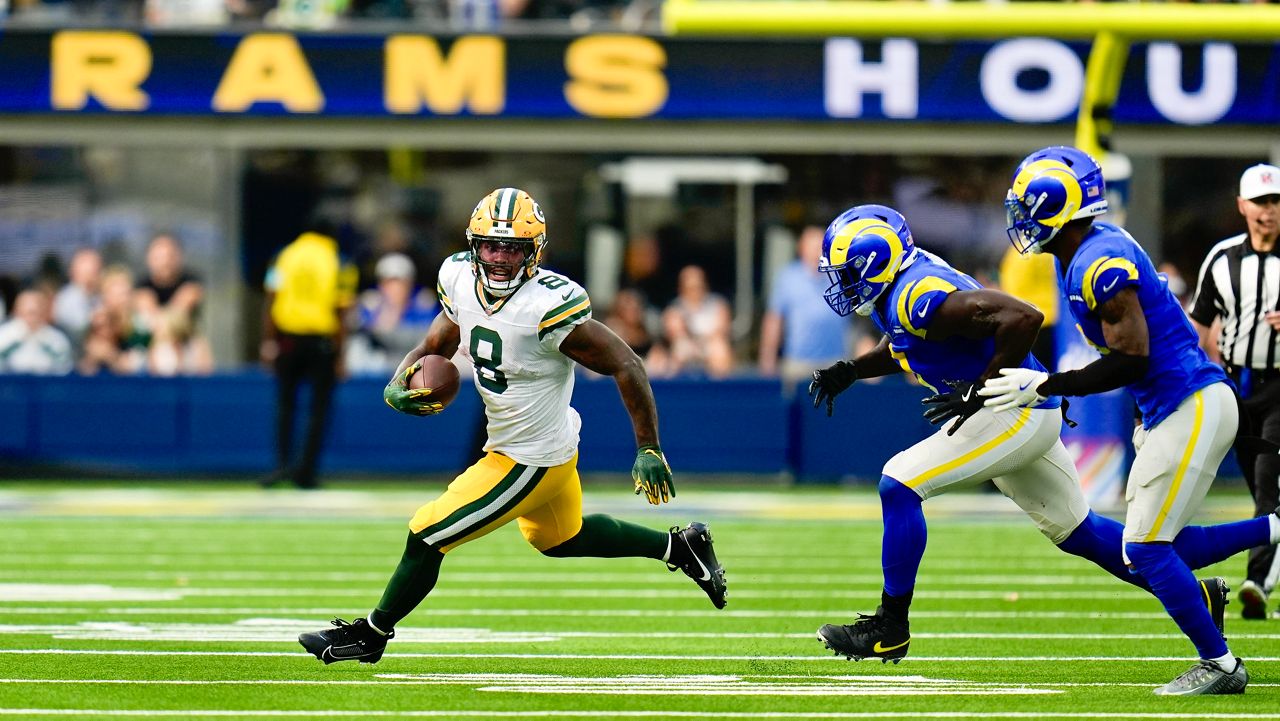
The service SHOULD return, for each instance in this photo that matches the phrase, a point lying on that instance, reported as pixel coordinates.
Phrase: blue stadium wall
(225, 425)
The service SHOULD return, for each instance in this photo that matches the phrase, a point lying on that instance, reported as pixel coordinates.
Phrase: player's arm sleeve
(564, 316)
(1205, 306)
(1105, 277)
(919, 302)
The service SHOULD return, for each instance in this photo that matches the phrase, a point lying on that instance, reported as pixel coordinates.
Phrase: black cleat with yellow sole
(875, 636)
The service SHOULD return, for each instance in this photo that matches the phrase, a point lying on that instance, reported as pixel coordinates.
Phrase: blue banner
(1020, 80)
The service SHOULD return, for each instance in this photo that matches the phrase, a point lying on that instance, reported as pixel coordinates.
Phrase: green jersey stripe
(542, 333)
(562, 308)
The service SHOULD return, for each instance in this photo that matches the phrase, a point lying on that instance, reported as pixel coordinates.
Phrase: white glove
(1015, 388)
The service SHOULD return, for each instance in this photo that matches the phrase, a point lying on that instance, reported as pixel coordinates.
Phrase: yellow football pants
(486, 496)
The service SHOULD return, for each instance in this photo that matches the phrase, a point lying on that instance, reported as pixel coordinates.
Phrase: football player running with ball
(1189, 412)
(523, 328)
(954, 335)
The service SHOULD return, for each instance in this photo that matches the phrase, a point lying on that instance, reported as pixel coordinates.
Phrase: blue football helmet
(1050, 188)
(862, 252)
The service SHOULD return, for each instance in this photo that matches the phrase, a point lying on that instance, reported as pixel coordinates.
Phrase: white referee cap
(1260, 180)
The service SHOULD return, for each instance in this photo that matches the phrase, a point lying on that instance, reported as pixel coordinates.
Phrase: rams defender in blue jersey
(1189, 414)
(954, 335)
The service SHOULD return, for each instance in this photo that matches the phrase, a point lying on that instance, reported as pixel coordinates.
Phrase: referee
(309, 288)
(1239, 286)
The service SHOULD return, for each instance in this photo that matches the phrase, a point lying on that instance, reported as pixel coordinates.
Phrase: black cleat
(1253, 599)
(1215, 590)
(869, 637)
(346, 642)
(697, 558)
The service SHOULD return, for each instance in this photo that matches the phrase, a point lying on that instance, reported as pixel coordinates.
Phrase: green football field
(185, 600)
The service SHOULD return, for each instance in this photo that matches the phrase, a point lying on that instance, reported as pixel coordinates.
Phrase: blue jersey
(905, 312)
(1110, 260)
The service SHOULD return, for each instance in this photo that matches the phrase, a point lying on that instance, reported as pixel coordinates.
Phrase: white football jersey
(525, 381)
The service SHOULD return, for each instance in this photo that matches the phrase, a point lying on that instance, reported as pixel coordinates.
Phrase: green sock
(413, 580)
(605, 537)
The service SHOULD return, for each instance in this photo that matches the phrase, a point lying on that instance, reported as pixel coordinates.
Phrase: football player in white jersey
(523, 328)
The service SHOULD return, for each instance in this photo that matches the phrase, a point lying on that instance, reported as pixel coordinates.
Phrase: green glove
(652, 475)
(414, 401)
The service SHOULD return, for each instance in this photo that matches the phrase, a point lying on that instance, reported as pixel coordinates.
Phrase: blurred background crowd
(108, 266)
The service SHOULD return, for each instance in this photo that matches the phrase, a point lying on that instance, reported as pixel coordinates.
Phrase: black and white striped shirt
(1240, 284)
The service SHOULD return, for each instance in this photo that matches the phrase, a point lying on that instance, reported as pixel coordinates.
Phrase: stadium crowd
(325, 14)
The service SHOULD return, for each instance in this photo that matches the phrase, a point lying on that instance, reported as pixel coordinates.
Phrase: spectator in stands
(697, 325)
(186, 13)
(116, 340)
(309, 290)
(392, 317)
(176, 349)
(642, 269)
(169, 285)
(75, 303)
(29, 343)
(629, 317)
(799, 334)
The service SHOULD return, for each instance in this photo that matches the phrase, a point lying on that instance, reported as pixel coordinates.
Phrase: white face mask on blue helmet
(1050, 188)
(862, 252)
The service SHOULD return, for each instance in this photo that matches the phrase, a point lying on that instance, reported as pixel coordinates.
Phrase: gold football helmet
(507, 216)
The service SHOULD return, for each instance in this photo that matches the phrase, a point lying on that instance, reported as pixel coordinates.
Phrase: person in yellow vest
(1034, 279)
(309, 288)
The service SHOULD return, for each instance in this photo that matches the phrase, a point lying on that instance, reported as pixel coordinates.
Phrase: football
(440, 375)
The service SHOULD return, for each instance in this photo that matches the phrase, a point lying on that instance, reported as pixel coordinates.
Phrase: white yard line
(612, 657)
(411, 680)
(330, 611)
(1120, 593)
(613, 713)
(285, 630)
(845, 580)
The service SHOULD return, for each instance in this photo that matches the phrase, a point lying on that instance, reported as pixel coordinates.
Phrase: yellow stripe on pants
(1182, 468)
(957, 462)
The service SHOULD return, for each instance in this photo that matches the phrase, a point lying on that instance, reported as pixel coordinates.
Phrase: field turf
(184, 601)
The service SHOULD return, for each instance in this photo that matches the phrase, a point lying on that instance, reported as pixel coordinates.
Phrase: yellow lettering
(109, 66)
(417, 73)
(616, 76)
(268, 68)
